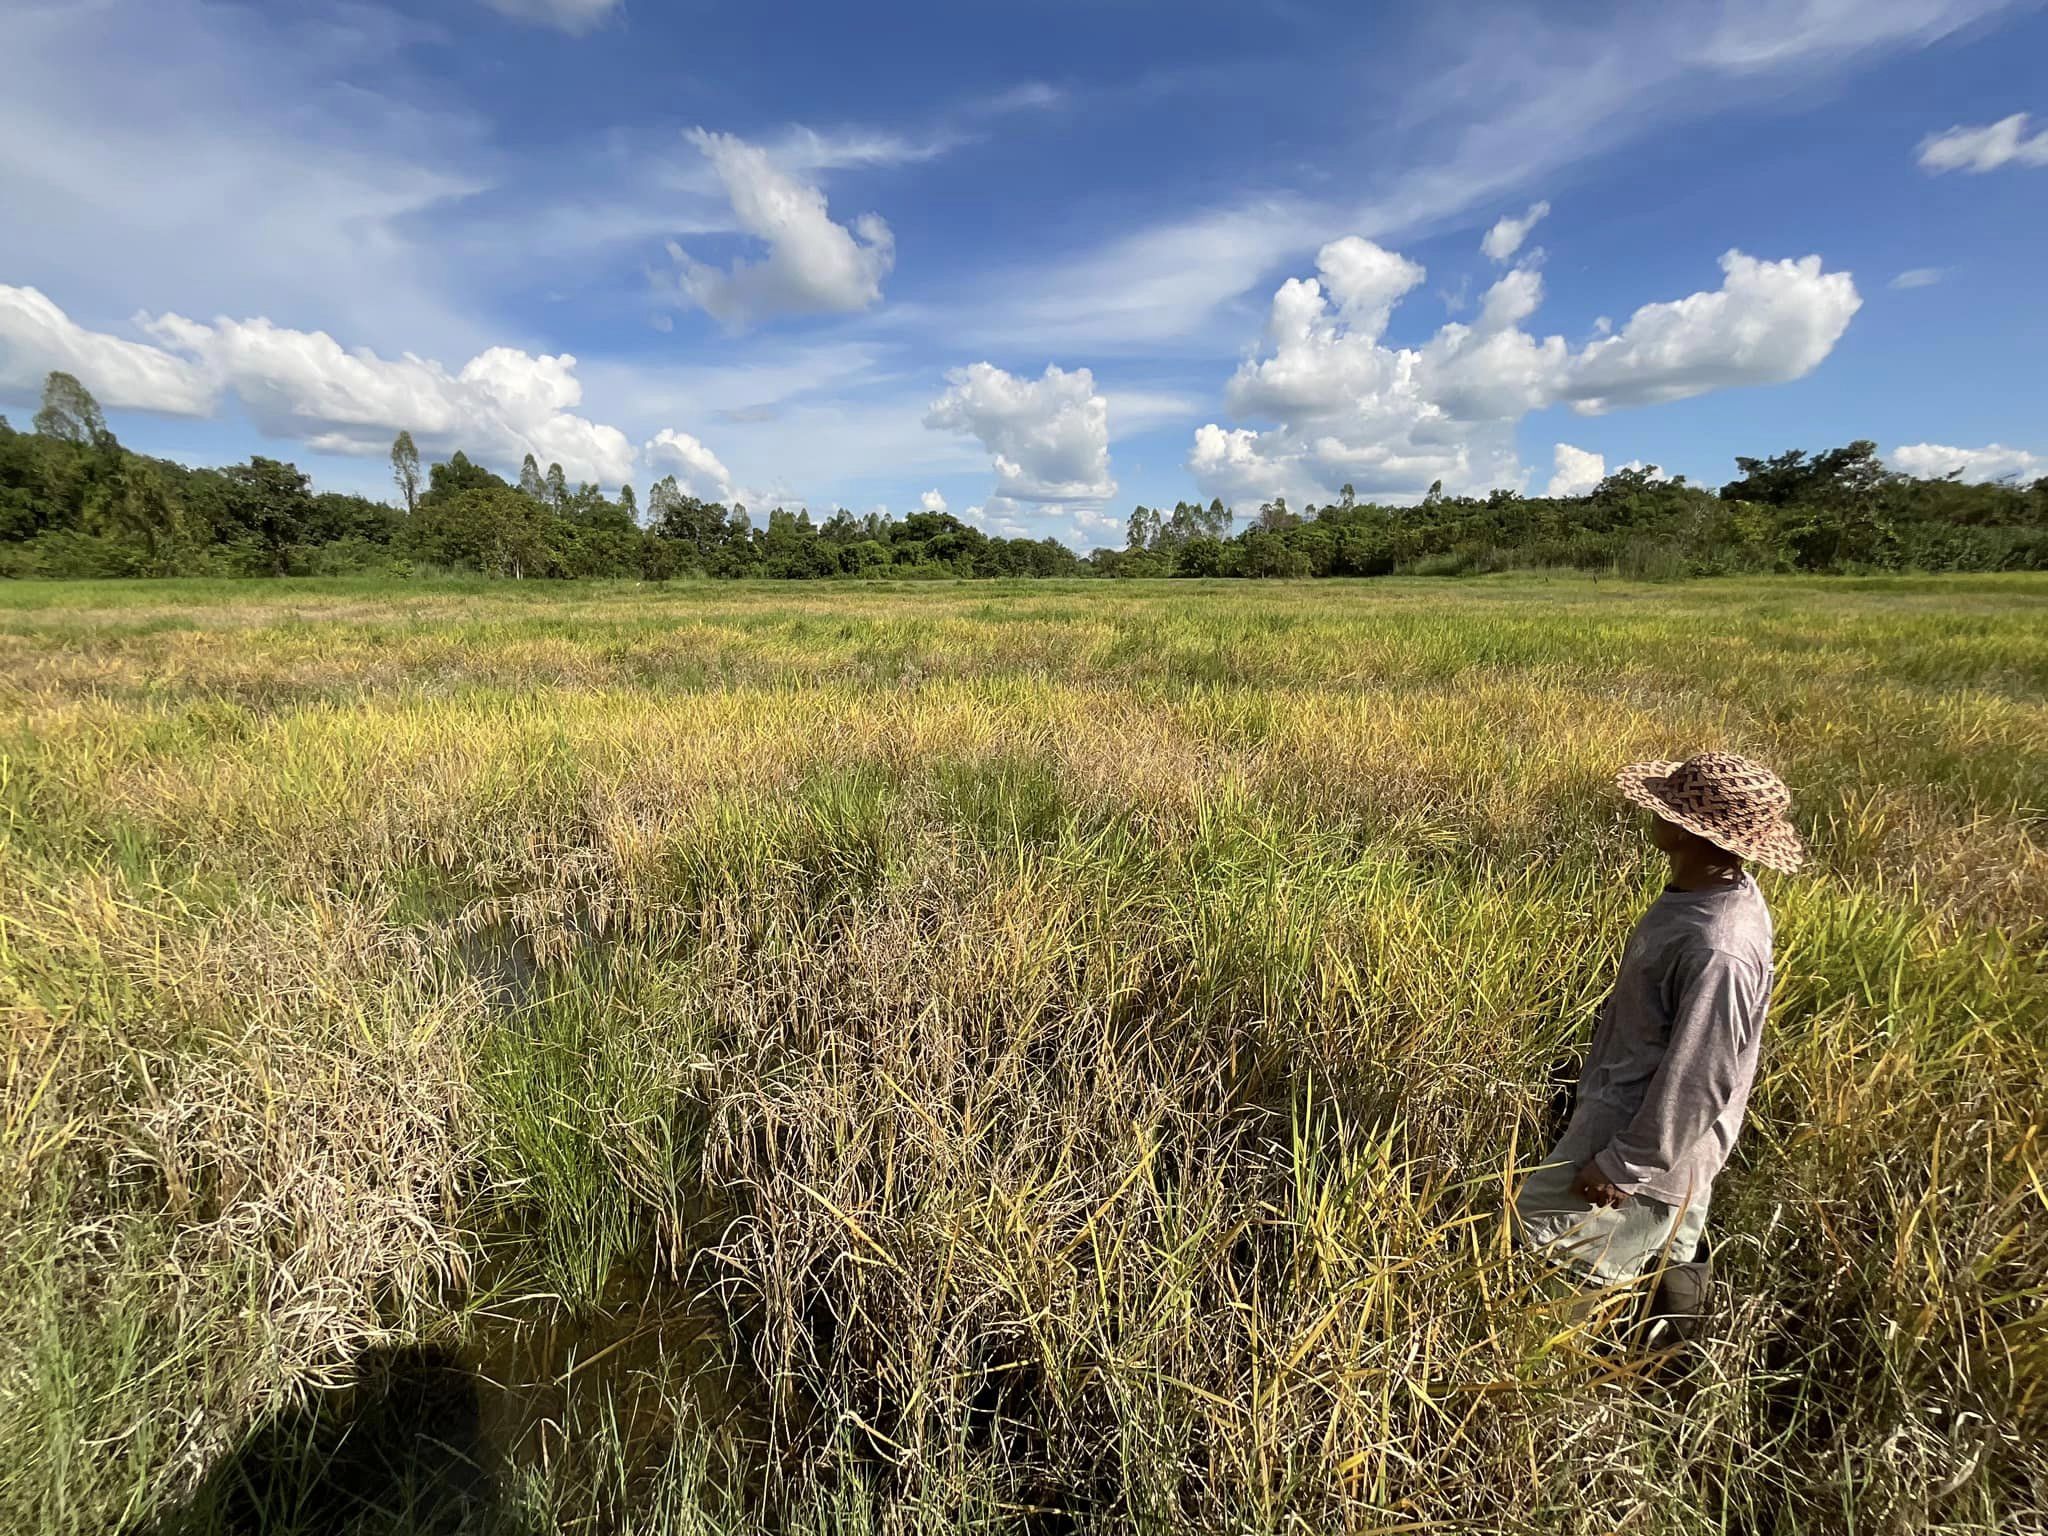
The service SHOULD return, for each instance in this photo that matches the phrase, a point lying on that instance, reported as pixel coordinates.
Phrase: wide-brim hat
(1730, 800)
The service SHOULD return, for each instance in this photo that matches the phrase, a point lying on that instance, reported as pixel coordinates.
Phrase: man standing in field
(1661, 1097)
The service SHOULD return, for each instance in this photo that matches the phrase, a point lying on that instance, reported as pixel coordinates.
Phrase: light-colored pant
(1606, 1244)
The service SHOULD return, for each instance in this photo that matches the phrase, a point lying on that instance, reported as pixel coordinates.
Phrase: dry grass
(1075, 1042)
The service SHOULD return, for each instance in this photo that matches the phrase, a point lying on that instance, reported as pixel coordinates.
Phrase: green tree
(492, 528)
(1201, 555)
(1263, 552)
(71, 415)
(530, 481)
(459, 475)
(139, 509)
(405, 470)
(270, 505)
(557, 495)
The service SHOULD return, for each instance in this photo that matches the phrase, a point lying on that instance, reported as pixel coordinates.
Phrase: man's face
(1668, 836)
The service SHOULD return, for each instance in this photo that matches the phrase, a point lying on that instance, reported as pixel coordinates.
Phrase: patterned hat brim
(1775, 845)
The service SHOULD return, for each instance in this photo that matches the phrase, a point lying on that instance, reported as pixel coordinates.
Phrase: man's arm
(1702, 1072)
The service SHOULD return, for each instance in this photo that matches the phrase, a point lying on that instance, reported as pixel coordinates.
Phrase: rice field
(989, 1057)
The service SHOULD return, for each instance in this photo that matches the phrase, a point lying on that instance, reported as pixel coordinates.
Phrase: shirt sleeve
(1700, 1076)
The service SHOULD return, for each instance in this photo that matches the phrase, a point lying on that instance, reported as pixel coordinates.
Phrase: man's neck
(1690, 872)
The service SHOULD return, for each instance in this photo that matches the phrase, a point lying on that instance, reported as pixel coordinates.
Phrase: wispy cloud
(1554, 92)
(240, 113)
(1977, 150)
(1917, 277)
(572, 16)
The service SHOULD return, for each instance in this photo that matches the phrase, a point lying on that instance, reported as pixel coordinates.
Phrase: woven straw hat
(1731, 801)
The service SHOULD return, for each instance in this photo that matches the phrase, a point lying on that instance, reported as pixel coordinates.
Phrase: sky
(1034, 264)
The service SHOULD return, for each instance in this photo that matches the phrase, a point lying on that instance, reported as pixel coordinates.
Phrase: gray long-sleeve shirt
(1665, 1085)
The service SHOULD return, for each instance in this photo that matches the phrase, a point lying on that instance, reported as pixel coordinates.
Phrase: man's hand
(1592, 1186)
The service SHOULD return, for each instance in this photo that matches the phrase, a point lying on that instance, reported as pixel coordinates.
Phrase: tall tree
(558, 487)
(529, 479)
(405, 469)
(1274, 515)
(627, 504)
(71, 415)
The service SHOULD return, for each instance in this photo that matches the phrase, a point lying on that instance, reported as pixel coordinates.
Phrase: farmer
(1659, 1102)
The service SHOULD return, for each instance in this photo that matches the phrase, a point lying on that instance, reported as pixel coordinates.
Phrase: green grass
(988, 1057)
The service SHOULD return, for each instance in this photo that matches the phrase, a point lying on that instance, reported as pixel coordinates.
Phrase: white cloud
(1031, 96)
(805, 151)
(1391, 420)
(1917, 277)
(931, 501)
(37, 337)
(697, 469)
(1049, 436)
(813, 265)
(1326, 359)
(501, 405)
(1931, 461)
(1506, 237)
(1978, 150)
(572, 16)
(1243, 464)
(305, 386)
(1577, 471)
(1770, 321)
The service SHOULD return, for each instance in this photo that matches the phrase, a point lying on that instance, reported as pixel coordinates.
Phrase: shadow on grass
(401, 1449)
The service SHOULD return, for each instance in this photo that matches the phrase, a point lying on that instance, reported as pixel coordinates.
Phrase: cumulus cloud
(1931, 461)
(1346, 406)
(1577, 471)
(37, 337)
(305, 386)
(813, 265)
(1506, 237)
(501, 405)
(1977, 150)
(931, 501)
(1324, 358)
(697, 469)
(572, 16)
(1048, 437)
(1917, 277)
(1770, 321)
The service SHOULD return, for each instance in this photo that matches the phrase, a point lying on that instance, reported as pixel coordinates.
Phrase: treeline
(74, 502)
(1840, 510)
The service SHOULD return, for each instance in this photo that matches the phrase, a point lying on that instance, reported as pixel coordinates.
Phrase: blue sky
(1037, 263)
